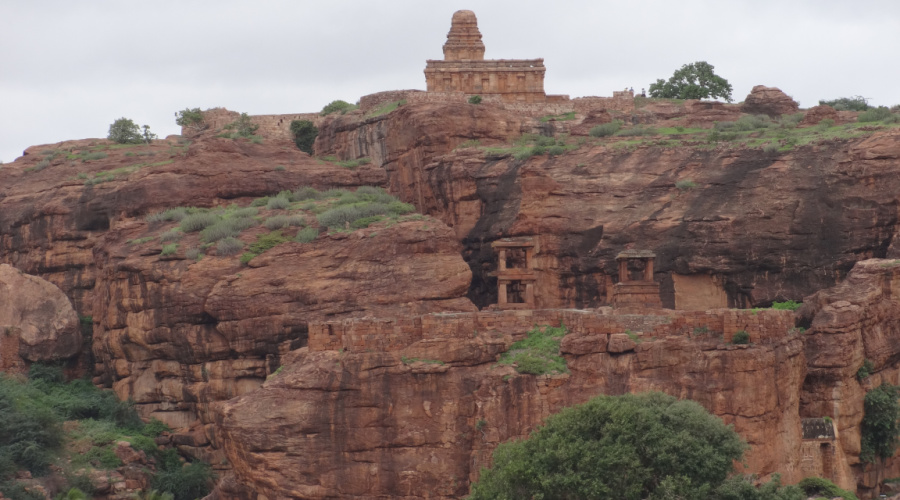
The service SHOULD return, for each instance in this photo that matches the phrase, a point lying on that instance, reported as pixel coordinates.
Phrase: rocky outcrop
(418, 419)
(37, 322)
(175, 334)
(818, 113)
(855, 321)
(770, 101)
(58, 200)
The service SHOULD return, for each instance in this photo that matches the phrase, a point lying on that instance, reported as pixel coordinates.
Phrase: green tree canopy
(631, 447)
(191, 119)
(304, 133)
(125, 131)
(693, 81)
(879, 429)
(337, 106)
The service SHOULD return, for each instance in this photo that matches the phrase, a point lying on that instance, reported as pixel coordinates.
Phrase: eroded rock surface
(420, 417)
(37, 321)
(768, 101)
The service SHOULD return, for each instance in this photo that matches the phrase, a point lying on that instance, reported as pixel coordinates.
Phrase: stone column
(623, 271)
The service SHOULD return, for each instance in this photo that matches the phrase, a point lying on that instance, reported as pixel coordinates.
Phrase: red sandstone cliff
(180, 335)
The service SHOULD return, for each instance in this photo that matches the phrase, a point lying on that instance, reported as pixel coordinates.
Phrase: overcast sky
(68, 69)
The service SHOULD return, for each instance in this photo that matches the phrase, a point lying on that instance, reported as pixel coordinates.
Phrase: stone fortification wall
(622, 101)
(270, 126)
(371, 102)
(361, 335)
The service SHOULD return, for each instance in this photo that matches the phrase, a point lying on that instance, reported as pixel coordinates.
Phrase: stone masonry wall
(360, 335)
(270, 126)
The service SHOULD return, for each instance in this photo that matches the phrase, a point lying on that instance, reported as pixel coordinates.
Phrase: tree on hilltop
(693, 81)
(632, 447)
(125, 131)
(191, 119)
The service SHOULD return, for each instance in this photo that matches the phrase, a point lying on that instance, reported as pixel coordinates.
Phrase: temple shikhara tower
(464, 68)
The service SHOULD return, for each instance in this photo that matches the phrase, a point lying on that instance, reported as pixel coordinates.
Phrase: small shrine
(635, 287)
(515, 273)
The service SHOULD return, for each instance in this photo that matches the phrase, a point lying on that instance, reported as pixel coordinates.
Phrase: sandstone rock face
(739, 228)
(768, 101)
(52, 217)
(855, 321)
(37, 321)
(818, 113)
(420, 417)
(178, 335)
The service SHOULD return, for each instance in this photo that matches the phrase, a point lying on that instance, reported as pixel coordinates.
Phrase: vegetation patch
(788, 305)
(560, 118)
(879, 429)
(740, 337)
(538, 353)
(33, 438)
(263, 242)
(820, 487)
(386, 108)
(338, 106)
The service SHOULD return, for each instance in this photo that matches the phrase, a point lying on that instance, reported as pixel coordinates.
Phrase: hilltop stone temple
(464, 68)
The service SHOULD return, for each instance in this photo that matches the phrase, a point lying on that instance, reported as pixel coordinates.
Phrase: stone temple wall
(359, 335)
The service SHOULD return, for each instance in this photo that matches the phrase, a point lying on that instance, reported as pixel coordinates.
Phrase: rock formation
(768, 101)
(818, 113)
(37, 321)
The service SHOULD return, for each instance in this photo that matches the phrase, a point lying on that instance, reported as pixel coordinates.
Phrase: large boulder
(36, 316)
(816, 114)
(770, 101)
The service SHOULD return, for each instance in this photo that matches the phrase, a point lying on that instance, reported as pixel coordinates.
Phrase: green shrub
(242, 212)
(365, 222)
(172, 214)
(874, 114)
(305, 193)
(606, 129)
(242, 127)
(636, 131)
(171, 235)
(854, 103)
(193, 254)
(538, 353)
(685, 184)
(197, 221)
(169, 249)
(283, 221)
(865, 370)
(266, 241)
(475, 99)
(386, 108)
(770, 148)
(304, 134)
(879, 428)
(278, 203)
(224, 228)
(98, 155)
(306, 235)
(337, 107)
(740, 337)
(260, 202)
(229, 246)
(556, 150)
(788, 305)
(187, 482)
(817, 486)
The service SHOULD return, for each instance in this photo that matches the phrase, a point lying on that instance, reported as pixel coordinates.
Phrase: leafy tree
(337, 106)
(853, 103)
(191, 119)
(148, 136)
(304, 133)
(693, 81)
(243, 126)
(125, 131)
(879, 429)
(631, 447)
